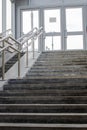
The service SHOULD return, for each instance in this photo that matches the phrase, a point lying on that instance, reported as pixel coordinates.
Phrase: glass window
(54, 44)
(52, 20)
(35, 24)
(26, 21)
(74, 19)
(35, 19)
(36, 45)
(57, 43)
(8, 11)
(75, 42)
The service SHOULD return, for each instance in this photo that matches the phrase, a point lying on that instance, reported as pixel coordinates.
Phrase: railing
(32, 35)
(35, 34)
(26, 35)
(3, 59)
(8, 38)
(5, 33)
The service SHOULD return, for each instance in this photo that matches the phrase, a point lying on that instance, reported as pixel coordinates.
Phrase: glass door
(30, 19)
(74, 28)
(52, 27)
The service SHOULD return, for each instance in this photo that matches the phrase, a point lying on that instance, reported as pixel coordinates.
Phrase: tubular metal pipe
(19, 65)
(27, 56)
(3, 63)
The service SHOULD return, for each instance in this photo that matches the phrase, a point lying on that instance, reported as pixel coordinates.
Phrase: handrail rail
(3, 55)
(32, 35)
(6, 31)
(26, 35)
(4, 38)
(17, 42)
(4, 48)
(9, 36)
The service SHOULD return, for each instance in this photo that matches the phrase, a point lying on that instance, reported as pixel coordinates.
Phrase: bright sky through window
(8, 11)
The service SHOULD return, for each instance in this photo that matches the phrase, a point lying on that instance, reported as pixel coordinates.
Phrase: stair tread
(64, 81)
(81, 96)
(43, 114)
(43, 125)
(43, 105)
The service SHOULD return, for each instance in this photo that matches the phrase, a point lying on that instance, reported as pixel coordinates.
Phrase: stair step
(57, 77)
(58, 67)
(60, 83)
(52, 95)
(57, 73)
(44, 99)
(44, 118)
(57, 70)
(43, 108)
(46, 86)
(34, 126)
(59, 80)
(44, 92)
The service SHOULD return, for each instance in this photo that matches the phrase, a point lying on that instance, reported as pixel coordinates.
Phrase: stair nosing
(43, 125)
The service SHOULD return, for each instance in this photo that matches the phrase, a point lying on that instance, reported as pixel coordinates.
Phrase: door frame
(62, 13)
(31, 10)
(73, 33)
(63, 26)
(51, 33)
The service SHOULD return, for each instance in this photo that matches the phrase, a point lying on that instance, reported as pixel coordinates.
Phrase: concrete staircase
(11, 62)
(52, 96)
(60, 64)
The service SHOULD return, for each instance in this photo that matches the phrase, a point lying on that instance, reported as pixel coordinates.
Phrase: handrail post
(33, 47)
(18, 47)
(27, 55)
(3, 63)
(19, 65)
(52, 42)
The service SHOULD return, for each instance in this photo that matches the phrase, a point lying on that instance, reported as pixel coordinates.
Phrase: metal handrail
(3, 59)
(4, 38)
(10, 37)
(6, 31)
(10, 45)
(4, 48)
(16, 42)
(26, 35)
(32, 35)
